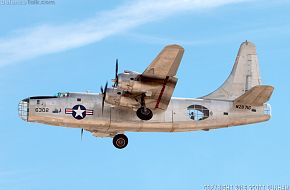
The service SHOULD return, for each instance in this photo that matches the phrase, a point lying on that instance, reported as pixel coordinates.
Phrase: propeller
(116, 74)
(104, 92)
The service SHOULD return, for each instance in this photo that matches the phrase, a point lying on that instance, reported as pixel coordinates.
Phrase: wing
(161, 94)
(160, 74)
(166, 63)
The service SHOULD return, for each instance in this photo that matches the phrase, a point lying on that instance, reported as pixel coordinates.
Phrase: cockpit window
(62, 94)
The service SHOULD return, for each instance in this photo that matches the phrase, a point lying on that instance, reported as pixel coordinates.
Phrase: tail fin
(244, 76)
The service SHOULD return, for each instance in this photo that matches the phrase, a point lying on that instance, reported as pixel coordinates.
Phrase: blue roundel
(79, 112)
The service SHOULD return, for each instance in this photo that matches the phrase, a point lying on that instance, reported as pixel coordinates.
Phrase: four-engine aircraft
(142, 102)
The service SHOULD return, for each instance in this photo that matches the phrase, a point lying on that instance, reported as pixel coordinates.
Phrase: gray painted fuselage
(121, 119)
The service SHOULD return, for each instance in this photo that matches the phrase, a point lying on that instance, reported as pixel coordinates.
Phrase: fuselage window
(198, 112)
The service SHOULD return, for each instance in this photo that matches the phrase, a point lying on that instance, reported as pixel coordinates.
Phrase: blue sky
(72, 46)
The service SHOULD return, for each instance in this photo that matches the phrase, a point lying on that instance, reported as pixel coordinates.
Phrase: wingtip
(175, 46)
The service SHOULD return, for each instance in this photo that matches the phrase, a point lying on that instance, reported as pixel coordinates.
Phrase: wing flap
(161, 95)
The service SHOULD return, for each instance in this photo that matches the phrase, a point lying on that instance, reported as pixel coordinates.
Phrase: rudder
(244, 76)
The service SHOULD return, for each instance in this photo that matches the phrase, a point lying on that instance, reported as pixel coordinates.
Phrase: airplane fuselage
(83, 110)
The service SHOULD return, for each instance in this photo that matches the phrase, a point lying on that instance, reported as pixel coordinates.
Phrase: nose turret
(23, 109)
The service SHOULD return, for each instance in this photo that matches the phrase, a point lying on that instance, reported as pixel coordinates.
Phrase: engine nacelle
(119, 98)
(135, 83)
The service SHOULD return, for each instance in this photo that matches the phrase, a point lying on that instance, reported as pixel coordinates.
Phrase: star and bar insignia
(79, 112)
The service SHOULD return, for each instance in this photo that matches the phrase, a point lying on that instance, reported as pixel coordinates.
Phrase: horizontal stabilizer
(256, 96)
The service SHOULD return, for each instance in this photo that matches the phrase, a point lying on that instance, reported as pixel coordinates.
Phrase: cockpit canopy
(62, 94)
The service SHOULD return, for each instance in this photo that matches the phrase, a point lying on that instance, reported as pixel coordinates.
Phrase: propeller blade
(116, 73)
(104, 92)
(82, 132)
(103, 107)
(117, 65)
(106, 87)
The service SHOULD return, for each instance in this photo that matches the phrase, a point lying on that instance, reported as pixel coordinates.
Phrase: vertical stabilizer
(244, 76)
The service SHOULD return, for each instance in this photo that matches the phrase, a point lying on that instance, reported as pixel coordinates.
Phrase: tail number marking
(243, 107)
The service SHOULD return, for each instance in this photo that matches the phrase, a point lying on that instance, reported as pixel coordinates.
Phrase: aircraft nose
(23, 109)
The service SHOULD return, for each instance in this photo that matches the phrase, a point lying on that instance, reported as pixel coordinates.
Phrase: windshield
(62, 94)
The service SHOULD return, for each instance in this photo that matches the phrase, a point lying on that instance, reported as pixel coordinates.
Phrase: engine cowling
(120, 98)
(134, 83)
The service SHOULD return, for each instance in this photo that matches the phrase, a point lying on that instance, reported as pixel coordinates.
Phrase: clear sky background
(72, 46)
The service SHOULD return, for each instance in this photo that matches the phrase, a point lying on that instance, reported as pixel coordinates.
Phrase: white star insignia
(79, 112)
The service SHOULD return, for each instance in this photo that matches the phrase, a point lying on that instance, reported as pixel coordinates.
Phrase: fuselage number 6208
(41, 109)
